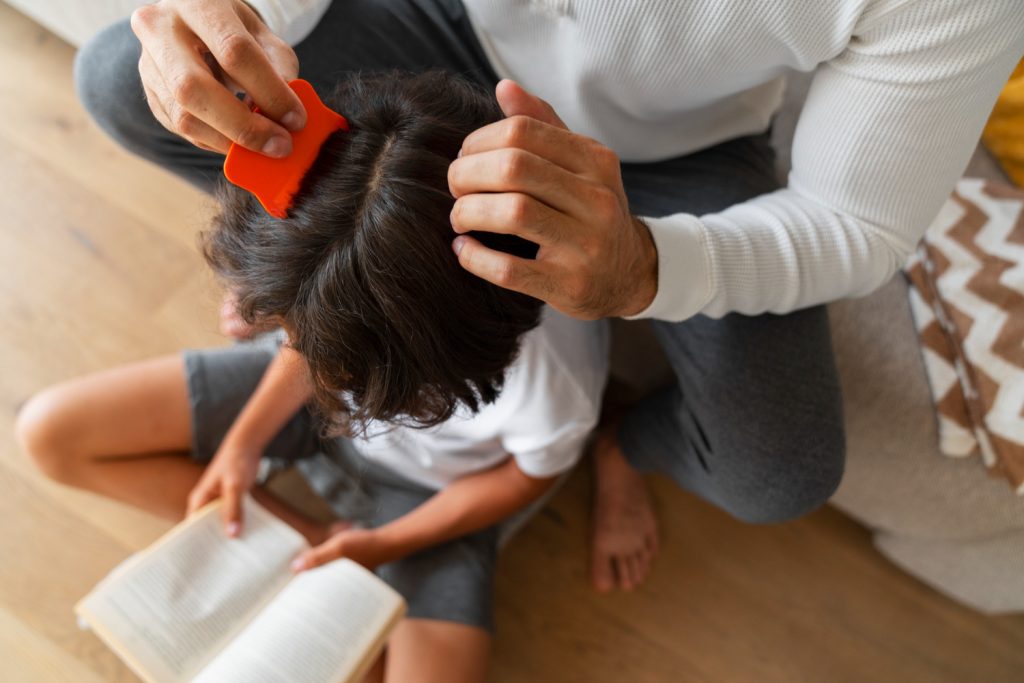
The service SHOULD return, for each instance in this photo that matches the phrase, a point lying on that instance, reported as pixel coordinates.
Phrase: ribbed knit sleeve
(292, 20)
(888, 126)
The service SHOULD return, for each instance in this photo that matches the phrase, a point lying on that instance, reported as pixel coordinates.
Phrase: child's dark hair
(362, 274)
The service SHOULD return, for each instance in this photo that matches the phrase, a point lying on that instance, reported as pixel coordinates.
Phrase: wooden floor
(98, 267)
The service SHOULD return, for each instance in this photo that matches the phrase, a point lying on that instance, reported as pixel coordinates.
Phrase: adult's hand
(530, 176)
(196, 52)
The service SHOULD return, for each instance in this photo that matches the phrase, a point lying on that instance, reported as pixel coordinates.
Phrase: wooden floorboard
(98, 266)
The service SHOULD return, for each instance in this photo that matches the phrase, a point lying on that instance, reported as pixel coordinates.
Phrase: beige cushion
(895, 478)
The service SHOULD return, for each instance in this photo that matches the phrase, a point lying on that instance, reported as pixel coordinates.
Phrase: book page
(168, 611)
(326, 626)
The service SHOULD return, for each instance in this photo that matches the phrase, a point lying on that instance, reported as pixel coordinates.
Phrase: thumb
(329, 550)
(514, 100)
(202, 494)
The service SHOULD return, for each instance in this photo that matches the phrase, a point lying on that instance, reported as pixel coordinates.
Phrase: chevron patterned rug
(967, 297)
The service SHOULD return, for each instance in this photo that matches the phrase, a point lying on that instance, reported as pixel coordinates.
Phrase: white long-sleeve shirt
(901, 93)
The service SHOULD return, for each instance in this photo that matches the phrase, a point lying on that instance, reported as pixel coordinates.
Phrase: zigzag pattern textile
(967, 297)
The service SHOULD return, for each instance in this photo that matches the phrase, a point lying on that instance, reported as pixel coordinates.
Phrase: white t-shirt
(550, 402)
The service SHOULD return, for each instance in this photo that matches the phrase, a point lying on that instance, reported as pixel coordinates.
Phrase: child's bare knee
(42, 433)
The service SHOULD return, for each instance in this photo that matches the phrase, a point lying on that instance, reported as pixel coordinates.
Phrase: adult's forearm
(887, 128)
(777, 253)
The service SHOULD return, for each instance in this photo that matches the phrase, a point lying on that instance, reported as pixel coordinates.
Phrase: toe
(651, 543)
(642, 562)
(625, 573)
(636, 572)
(601, 573)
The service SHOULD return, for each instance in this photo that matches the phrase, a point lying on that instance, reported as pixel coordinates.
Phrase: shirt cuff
(684, 269)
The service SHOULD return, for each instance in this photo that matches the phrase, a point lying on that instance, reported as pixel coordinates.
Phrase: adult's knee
(107, 81)
(41, 432)
(789, 481)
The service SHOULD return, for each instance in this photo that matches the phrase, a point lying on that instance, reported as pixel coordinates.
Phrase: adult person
(690, 230)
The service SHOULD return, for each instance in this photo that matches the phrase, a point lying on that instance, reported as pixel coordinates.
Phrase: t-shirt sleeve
(558, 455)
(554, 411)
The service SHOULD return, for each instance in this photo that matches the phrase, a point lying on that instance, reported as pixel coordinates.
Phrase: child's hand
(230, 474)
(359, 545)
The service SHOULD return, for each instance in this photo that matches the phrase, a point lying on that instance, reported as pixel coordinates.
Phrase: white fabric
(550, 402)
(902, 90)
(292, 20)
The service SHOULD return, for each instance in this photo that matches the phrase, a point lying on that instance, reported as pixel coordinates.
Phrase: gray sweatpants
(753, 423)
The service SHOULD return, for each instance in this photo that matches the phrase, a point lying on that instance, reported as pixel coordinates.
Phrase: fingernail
(277, 146)
(298, 564)
(233, 529)
(457, 244)
(293, 120)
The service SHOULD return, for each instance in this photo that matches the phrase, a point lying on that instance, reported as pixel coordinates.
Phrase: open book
(199, 606)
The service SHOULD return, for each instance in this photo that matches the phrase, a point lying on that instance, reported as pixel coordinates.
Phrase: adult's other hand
(195, 53)
(530, 176)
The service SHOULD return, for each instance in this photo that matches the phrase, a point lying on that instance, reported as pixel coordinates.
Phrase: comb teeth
(274, 182)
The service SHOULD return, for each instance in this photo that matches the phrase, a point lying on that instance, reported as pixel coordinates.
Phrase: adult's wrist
(646, 272)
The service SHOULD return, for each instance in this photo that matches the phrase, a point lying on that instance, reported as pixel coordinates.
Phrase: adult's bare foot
(624, 528)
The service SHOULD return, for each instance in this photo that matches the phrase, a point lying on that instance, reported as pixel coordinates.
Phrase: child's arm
(284, 388)
(469, 504)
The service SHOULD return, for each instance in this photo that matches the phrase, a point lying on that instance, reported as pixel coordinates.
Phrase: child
(461, 401)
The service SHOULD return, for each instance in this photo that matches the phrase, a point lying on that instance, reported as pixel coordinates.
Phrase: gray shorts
(449, 582)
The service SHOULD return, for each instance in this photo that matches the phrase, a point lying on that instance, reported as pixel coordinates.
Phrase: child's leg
(427, 650)
(448, 589)
(120, 433)
(124, 433)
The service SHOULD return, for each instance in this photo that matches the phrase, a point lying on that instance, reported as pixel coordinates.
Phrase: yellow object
(1004, 133)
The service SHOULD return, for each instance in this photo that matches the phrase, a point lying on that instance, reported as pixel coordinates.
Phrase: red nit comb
(275, 181)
